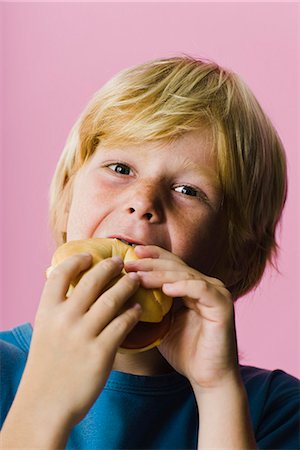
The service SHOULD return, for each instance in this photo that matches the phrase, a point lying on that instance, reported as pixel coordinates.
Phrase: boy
(177, 156)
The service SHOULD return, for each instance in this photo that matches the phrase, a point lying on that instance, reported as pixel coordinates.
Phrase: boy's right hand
(75, 340)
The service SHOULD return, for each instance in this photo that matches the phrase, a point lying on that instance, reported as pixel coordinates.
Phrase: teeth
(128, 243)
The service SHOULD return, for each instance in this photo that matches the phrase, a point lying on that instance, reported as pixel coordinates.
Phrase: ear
(64, 221)
(63, 210)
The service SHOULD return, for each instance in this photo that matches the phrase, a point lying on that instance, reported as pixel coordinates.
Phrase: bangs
(160, 100)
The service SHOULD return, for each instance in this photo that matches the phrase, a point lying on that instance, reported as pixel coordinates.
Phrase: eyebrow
(205, 171)
(189, 165)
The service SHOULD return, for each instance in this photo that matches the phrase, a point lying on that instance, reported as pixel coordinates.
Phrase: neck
(147, 363)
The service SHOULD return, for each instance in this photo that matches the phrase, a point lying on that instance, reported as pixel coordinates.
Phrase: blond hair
(161, 100)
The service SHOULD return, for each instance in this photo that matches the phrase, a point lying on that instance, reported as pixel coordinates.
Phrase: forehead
(194, 149)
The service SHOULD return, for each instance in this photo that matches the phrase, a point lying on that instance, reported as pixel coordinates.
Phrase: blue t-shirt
(160, 412)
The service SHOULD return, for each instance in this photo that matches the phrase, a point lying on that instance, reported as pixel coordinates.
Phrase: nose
(145, 203)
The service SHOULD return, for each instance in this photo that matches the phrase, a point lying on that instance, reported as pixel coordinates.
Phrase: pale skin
(174, 210)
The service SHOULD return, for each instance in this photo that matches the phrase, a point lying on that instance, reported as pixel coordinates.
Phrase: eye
(192, 192)
(187, 190)
(120, 168)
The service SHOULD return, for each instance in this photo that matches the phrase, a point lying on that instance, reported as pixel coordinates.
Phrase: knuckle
(117, 327)
(131, 314)
(218, 282)
(56, 272)
(109, 301)
(204, 285)
(229, 299)
(190, 275)
(125, 320)
(88, 281)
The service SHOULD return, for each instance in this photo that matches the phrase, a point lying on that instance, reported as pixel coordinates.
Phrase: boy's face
(155, 194)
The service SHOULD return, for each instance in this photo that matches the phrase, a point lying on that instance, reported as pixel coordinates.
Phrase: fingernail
(137, 247)
(118, 260)
(168, 285)
(133, 275)
(130, 263)
(137, 306)
(86, 255)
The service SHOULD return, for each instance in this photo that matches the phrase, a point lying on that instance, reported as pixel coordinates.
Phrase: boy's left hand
(201, 344)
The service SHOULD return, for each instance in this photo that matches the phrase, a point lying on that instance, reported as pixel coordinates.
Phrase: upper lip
(127, 239)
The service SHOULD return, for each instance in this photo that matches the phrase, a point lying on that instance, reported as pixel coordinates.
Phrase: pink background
(56, 55)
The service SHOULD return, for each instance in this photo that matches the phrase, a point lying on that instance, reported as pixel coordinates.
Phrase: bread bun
(156, 317)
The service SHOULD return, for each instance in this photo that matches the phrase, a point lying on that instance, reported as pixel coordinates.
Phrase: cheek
(78, 221)
(200, 242)
(84, 212)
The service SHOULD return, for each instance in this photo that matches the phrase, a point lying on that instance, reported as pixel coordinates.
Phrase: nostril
(148, 215)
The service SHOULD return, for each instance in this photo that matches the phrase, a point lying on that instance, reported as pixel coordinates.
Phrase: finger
(153, 251)
(156, 279)
(60, 277)
(202, 291)
(110, 304)
(148, 264)
(211, 303)
(144, 264)
(116, 331)
(94, 282)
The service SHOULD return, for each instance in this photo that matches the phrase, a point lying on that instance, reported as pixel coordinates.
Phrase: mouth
(132, 244)
(126, 241)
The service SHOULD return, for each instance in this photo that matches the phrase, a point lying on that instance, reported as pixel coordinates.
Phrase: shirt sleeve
(12, 363)
(279, 425)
